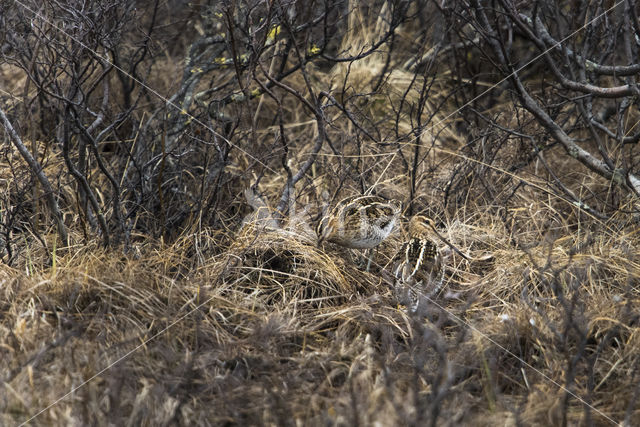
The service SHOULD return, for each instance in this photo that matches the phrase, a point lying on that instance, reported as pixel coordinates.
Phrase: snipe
(420, 268)
(359, 222)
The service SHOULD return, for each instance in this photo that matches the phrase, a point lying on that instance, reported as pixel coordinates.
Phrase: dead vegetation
(211, 304)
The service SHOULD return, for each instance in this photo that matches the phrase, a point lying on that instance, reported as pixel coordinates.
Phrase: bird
(359, 222)
(420, 269)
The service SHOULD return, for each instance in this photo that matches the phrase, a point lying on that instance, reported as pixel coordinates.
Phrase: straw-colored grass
(305, 335)
(252, 323)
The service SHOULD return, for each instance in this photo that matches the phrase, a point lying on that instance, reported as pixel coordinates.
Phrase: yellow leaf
(273, 33)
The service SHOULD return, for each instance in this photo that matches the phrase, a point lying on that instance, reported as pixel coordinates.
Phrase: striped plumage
(359, 222)
(420, 269)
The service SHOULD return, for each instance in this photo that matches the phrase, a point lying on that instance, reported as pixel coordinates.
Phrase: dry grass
(242, 323)
(307, 337)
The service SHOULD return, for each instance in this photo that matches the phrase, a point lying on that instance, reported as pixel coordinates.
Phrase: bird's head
(422, 223)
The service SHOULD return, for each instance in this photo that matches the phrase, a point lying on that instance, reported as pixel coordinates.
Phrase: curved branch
(598, 91)
(619, 176)
(589, 65)
(81, 179)
(37, 171)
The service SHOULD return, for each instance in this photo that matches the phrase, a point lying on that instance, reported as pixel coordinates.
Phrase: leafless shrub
(187, 151)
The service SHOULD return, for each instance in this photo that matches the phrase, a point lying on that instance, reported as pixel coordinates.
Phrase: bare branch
(36, 169)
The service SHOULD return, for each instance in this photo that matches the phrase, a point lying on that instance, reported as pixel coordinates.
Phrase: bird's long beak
(458, 251)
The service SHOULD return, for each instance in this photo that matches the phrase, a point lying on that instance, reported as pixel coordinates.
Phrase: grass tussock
(305, 334)
(234, 315)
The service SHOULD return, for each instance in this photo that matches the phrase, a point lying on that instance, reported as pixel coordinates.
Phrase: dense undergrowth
(212, 304)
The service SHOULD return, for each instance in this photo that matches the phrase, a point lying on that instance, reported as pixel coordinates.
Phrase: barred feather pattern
(359, 222)
(420, 271)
